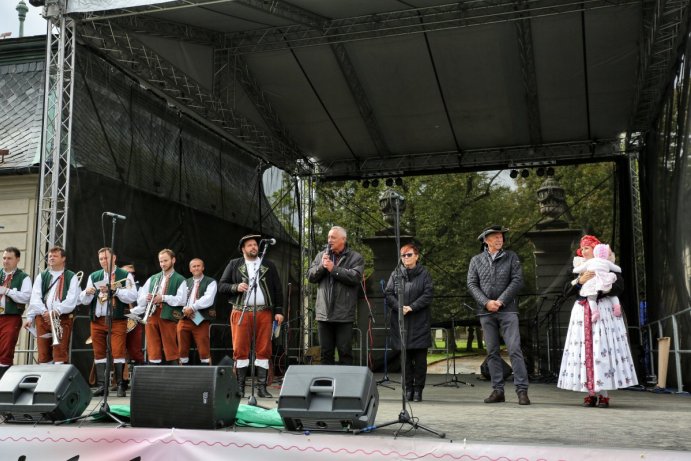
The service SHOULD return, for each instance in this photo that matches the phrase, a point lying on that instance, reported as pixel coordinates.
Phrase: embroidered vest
(119, 310)
(209, 313)
(169, 312)
(45, 284)
(12, 307)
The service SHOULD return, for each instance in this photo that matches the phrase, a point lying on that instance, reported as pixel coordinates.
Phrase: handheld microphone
(115, 215)
(269, 241)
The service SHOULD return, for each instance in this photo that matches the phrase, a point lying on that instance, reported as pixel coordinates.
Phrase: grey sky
(9, 21)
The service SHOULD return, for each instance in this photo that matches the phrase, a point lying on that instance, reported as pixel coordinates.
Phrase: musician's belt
(237, 307)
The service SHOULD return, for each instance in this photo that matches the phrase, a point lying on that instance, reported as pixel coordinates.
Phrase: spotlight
(389, 182)
(540, 171)
(513, 174)
(37, 2)
(375, 182)
(399, 181)
(525, 173)
(365, 183)
(549, 171)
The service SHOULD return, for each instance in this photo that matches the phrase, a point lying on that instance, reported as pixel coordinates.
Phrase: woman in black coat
(416, 299)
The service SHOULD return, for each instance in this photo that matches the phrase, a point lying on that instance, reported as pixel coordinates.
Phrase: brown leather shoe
(495, 397)
(523, 398)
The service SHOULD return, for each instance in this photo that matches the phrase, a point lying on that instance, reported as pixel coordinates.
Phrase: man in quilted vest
(494, 280)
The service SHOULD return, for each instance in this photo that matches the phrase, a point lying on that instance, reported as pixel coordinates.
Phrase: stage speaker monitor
(328, 398)
(43, 393)
(506, 369)
(191, 397)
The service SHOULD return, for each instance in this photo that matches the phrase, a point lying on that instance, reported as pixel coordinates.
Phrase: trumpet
(103, 297)
(55, 326)
(151, 306)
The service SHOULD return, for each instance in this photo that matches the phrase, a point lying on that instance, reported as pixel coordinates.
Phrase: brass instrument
(151, 306)
(55, 326)
(103, 297)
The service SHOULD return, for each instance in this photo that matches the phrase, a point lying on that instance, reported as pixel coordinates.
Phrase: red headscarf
(587, 240)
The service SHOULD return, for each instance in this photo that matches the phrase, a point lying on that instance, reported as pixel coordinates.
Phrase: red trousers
(161, 338)
(99, 335)
(46, 351)
(134, 344)
(188, 330)
(10, 326)
(242, 334)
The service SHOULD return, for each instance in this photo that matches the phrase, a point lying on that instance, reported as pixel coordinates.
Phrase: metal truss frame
(663, 26)
(157, 74)
(406, 22)
(474, 159)
(54, 185)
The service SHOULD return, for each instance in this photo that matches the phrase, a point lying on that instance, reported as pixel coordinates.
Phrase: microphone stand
(384, 381)
(454, 381)
(252, 291)
(398, 276)
(104, 410)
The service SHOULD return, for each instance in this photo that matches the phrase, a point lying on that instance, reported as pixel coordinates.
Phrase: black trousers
(415, 368)
(336, 335)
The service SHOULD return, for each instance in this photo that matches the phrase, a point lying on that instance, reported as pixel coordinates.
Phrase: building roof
(22, 73)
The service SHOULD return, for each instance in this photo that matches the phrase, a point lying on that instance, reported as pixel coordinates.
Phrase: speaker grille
(193, 397)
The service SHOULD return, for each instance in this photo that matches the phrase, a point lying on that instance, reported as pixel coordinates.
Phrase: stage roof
(359, 88)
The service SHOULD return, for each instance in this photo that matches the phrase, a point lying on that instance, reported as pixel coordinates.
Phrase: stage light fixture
(549, 171)
(513, 174)
(375, 182)
(540, 171)
(365, 183)
(389, 182)
(525, 173)
(37, 2)
(399, 181)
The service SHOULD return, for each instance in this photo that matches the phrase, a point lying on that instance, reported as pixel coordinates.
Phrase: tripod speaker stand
(453, 381)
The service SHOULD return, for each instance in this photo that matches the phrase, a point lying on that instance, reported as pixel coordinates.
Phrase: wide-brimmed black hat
(255, 237)
(492, 230)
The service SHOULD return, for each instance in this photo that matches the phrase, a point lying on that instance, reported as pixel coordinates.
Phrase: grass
(435, 355)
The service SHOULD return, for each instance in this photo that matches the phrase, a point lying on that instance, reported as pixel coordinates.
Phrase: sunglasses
(407, 255)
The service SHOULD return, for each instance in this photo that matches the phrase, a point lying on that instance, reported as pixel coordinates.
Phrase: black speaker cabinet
(328, 398)
(43, 393)
(191, 397)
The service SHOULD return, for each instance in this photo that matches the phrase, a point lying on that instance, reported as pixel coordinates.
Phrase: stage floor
(638, 423)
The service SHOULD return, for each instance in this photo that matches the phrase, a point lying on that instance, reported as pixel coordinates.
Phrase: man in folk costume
(55, 293)
(15, 292)
(168, 291)
(266, 301)
(96, 296)
(197, 314)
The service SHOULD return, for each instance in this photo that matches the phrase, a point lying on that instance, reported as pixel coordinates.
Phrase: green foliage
(447, 212)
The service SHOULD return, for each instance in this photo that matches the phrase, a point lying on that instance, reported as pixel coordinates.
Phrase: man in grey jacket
(338, 271)
(494, 279)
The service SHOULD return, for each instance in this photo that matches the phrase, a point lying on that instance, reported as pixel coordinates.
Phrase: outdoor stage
(639, 425)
